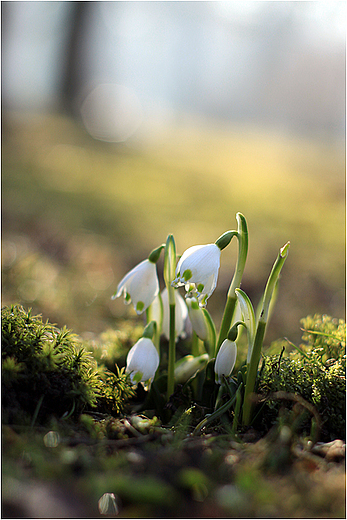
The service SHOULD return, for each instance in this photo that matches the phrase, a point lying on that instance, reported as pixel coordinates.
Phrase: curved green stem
(209, 418)
(242, 236)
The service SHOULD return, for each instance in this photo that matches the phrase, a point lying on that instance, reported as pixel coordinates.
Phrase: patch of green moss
(47, 372)
(315, 371)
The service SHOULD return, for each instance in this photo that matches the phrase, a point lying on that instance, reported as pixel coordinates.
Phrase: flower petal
(181, 313)
(142, 360)
(199, 265)
(225, 360)
(140, 285)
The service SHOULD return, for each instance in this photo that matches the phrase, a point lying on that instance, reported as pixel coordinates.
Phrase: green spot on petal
(187, 275)
(140, 306)
(127, 297)
(200, 287)
(137, 377)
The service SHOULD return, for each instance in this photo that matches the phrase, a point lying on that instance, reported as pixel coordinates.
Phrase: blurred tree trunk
(73, 73)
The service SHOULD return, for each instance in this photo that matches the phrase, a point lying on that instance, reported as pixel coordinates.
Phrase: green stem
(209, 418)
(37, 409)
(242, 236)
(252, 372)
(226, 320)
(172, 354)
(272, 280)
(195, 345)
(237, 409)
(195, 353)
(260, 332)
(169, 275)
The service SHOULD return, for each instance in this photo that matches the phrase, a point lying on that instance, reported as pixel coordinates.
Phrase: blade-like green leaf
(248, 317)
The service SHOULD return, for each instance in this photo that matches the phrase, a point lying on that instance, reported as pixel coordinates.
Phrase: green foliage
(116, 391)
(47, 371)
(315, 371)
(324, 336)
(113, 345)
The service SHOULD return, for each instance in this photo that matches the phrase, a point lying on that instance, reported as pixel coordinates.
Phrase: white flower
(198, 267)
(187, 366)
(225, 360)
(142, 361)
(181, 313)
(140, 286)
(197, 318)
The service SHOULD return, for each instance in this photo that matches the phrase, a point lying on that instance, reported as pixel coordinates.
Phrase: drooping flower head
(140, 286)
(197, 270)
(225, 360)
(142, 361)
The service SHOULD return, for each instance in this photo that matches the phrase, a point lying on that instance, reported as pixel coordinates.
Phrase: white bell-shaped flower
(225, 360)
(140, 286)
(181, 313)
(198, 269)
(142, 361)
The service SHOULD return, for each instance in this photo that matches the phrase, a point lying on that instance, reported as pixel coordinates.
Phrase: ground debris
(334, 451)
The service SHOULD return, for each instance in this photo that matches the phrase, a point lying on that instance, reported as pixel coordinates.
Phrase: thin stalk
(169, 275)
(237, 409)
(195, 353)
(195, 345)
(172, 354)
(36, 412)
(242, 236)
(226, 320)
(252, 372)
(210, 418)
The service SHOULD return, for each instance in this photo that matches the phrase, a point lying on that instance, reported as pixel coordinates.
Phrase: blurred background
(125, 121)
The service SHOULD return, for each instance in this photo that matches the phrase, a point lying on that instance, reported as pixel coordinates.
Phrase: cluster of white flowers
(197, 270)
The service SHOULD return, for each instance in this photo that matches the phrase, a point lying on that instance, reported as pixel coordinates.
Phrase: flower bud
(142, 361)
(187, 366)
(225, 360)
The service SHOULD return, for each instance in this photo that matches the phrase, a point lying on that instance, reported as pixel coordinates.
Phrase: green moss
(48, 372)
(315, 371)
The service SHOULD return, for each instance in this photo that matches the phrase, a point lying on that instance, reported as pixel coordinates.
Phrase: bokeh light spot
(111, 112)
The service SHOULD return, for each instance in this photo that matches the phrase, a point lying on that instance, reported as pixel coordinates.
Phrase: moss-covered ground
(79, 441)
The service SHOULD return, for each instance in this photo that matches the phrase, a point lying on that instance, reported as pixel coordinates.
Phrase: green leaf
(210, 342)
(248, 317)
